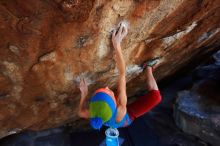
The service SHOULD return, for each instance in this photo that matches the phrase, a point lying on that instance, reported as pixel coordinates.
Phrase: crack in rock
(168, 41)
(208, 35)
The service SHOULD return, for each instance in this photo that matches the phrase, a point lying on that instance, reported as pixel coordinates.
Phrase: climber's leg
(151, 82)
(147, 102)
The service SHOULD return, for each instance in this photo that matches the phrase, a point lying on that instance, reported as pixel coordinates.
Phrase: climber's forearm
(122, 95)
(122, 98)
(120, 61)
(83, 111)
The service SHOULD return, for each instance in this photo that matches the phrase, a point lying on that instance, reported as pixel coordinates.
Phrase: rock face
(46, 46)
(197, 111)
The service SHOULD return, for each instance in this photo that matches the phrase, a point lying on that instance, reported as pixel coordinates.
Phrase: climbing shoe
(150, 63)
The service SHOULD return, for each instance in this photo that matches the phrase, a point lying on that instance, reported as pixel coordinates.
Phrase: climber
(107, 109)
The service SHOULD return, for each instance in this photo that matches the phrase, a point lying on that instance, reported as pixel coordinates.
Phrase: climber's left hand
(83, 88)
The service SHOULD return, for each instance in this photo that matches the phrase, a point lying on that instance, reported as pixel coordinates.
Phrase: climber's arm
(122, 96)
(83, 112)
(120, 63)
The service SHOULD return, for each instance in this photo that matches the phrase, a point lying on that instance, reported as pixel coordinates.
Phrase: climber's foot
(150, 63)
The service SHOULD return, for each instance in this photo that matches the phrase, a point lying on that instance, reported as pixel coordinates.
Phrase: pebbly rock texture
(197, 111)
(46, 45)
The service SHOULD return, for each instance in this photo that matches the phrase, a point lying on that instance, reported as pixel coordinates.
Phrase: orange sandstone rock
(46, 45)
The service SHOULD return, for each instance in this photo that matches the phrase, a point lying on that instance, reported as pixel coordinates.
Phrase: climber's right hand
(117, 36)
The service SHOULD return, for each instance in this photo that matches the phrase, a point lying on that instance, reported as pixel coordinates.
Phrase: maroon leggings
(143, 104)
